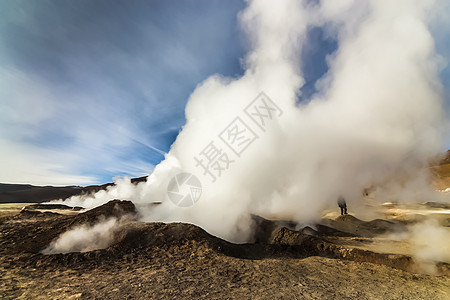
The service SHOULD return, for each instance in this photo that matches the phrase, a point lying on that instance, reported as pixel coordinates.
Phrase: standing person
(342, 205)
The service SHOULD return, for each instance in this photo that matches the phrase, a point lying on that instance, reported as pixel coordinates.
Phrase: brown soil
(156, 260)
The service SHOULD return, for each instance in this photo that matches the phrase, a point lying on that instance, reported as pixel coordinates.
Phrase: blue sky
(91, 90)
(105, 83)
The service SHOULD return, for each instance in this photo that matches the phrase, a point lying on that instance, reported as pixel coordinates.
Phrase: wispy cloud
(89, 91)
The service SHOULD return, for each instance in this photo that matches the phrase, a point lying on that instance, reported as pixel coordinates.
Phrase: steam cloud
(431, 242)
(374, 121)
(84, 238)
(428, 242)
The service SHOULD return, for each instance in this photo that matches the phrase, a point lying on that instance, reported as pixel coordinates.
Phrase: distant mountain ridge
(27, 193)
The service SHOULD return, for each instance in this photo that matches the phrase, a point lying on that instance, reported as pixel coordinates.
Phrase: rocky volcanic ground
(155, 260)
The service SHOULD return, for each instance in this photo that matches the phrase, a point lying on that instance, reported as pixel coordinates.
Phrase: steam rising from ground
(429, 243)
(373, 123)
(84, 238)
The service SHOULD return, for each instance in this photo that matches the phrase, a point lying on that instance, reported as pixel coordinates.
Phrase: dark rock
(36, 213)
(114, 208)
(51, 206)
(356, 227)
(437, 205)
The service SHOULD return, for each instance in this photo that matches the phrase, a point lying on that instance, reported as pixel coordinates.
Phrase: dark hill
(26, 193)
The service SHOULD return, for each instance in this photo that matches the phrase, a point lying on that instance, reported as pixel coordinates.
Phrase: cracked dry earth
(155, 260)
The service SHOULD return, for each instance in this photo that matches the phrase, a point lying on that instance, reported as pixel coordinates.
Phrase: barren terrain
(155, 260)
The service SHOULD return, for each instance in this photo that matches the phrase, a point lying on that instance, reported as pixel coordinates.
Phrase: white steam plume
(84, 238)
(428, 242)
(431, 243)
(375, 119)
